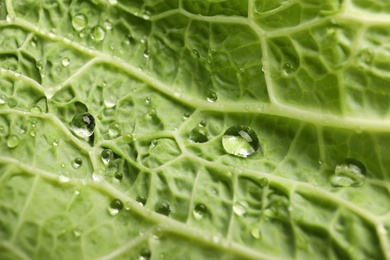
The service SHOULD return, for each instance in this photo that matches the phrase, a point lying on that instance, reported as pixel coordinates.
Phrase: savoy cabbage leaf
(187, 129)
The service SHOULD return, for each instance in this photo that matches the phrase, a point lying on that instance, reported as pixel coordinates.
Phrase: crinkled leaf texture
(310, 78)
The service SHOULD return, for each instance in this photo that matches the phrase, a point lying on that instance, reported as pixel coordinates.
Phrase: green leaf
(194, 129)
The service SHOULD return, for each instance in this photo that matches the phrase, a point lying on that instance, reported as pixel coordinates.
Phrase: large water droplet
(199, 135)
(116, 205)
(77, 162)
(107, 156)
(212, 97)
(79, 22)
(351, 172)
(240, 141)
(65, 62)
(199, 211)
(98, 33)
(240, 208)
(163, 207)
(13, 141)
(141, 200)
(83, 125)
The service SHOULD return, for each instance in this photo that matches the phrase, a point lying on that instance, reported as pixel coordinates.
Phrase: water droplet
(52, 33)
(212, 97)
(63, 178)
(240, 141)
(146, 53)
(55, 143)
(98, 33)
(163, 207)
(77, 232)
(114, 130)
(10, 18)
(351, 172)
(110, 101)
(196, 52)
(65, 62)
(367, 55)
(199, 135)
(108, 25)
(287, 68)
(97, 177)
(264, 68)
(239, 208)
(118, 176)
(186, 115)
(264, 182)
(36, 109)
(79, 22)
(12, 102)
(152, 112)
(277, 206)
(202, 123)
(255, 232)
(83, 125)
(112, 2)
(77, 162)
(3, 99)
(107, 156)
(141, 200)
(13, 141)
(199, 211)
(116, 205)
(63, 165)
(145, 255)
(146, 15)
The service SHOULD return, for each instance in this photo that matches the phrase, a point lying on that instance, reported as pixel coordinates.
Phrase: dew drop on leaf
(63, 178)
(255, 232)
(163, 207)
(141, 200)
(350, 172)
(13, 141)
(199, 135)
(240, 140)
(65, 62)
(110, 101)
(199, 211)
(98, 33)
(77, 232)
(10, 18)
(239, 208)
(83, 125)
(97, 177)
(77, 162)
(3, 99)
(144, 255)
(287, 68)
(212, 97)
(114, 130)
(196, 52)
(12, 102)
(79, 22)
(55, 143)
(116, 205)
(107, 156)
(146, 53)
(35, 109)
(203, 123)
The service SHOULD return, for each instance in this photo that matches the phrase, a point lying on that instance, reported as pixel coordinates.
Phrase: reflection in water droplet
(163, 207)
(199, 211)
(83, 125)
(79, 22)
(98, 33)
(13, 141)
(240, 141)
(239, 208)
(116, 205)
(107, 156)
(65, 62)
(351, 172)
(212, 97)
(77, 162)
(141, 200)
(199, 135)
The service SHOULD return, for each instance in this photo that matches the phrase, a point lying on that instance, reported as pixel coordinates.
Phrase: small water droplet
(13, 141)
(146, 14)
(152, 112)
(264, 182)
(145, 255)
(141, 200)
(277, 206)
(239, 208)
(212, 97)
(63, 178)
(203, 123)
(240, 140)
(83, 125)
(186, 115)
(55, 143)
(52, 33)
(63, 165)
(12, 102)
(114, 130)
(367, 55)
(77, 162)
(196, 52)
(108, 25)
(77, 232)
(148, 100)
(118, 176)
(116, 205)
(107, 156)
(98, 33)
(79, 22)
(287, 68)
(199, 211)
(199, 135)
(35, 109)
(3, 99)
(163, 207)
(110, 101)
(65, 62)
(112, 2)
(351, 172)
(97, 177)
(32, 133)
(146, 53)
(10, 18)
(255, 232)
